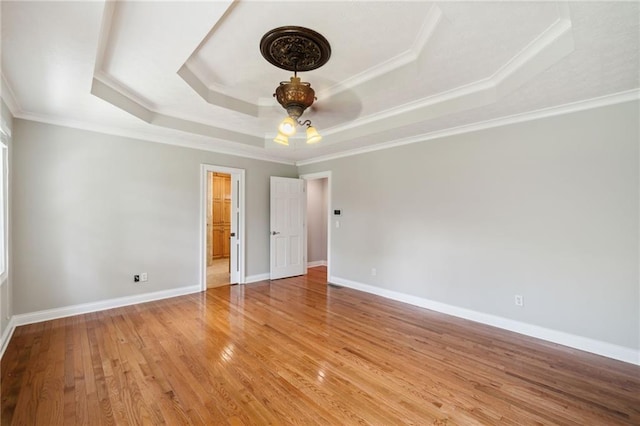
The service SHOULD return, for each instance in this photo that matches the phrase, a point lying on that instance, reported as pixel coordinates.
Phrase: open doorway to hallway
(318, 219)
(218, 229)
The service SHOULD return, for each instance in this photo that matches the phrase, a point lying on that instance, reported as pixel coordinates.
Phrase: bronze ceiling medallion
(295, 48)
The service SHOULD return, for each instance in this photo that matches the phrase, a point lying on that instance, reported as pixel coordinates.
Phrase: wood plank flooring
(297, 351)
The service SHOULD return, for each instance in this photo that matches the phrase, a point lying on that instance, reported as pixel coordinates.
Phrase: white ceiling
(191, 73)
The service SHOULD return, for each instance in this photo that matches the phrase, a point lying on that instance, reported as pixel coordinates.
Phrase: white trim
(240, 173)
(207, 145)
(8, 95)
(85, 308)
(409, 56)
(102, 305)
(599, 347)
(617, 98)
(325, 175)
(6, 336)
(553, 44)
(317, 263)
(210, 144)
(256, 278)
(5, 238)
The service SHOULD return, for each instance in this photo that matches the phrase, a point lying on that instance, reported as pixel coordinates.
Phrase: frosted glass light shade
(287, 127)
(282, 139)
(312, 135)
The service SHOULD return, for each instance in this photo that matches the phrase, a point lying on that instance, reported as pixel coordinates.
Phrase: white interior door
(288, 227)
(237, 241)
(234, 235)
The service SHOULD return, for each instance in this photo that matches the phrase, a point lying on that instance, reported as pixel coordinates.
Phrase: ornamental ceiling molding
(555, 43)
(549, 47)
(111, 90)
(8, 96)
(194, 73)
(583, 105)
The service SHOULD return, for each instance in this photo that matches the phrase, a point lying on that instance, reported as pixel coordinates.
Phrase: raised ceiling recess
(295, 49)
(191, 73)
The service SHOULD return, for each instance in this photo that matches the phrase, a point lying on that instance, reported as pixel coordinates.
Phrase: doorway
(318, 220)
(218, 229)
(222, 226)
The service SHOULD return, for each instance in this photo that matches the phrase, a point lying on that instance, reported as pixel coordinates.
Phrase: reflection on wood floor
(299, 351)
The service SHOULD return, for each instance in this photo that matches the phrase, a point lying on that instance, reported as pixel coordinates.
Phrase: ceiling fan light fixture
(295, 96)
(295, 49)
(312, 135)
(287, 127)
(282, 139)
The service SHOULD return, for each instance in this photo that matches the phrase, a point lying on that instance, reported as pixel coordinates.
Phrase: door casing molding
(240, 174)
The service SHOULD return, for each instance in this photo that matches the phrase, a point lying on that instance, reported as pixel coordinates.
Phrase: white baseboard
(255, 278)
(316, 263)
(609, 350)
(85, 308)
(6, 336)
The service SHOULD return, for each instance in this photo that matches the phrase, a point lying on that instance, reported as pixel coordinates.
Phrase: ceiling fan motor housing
(295, 96)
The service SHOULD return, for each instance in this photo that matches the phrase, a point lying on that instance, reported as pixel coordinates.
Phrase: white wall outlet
(337, 224)
(374, 272)
(519, 300)
(144, 277)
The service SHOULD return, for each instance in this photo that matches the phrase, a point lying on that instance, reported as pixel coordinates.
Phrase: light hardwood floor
(297, 351)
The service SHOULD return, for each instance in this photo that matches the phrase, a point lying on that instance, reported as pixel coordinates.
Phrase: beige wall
(91, 210)
(547, 209)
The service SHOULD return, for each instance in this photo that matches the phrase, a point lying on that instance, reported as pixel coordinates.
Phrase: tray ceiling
(191, 73)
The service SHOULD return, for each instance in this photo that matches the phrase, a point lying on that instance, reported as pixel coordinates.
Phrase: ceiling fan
(296, 49)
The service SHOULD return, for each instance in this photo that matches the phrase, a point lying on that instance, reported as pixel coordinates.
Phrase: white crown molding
(103, 35)
(599, 347)
(105, 79)
(553, 44)
(8, 96)
(549, 47)
(113, 92)
(255, 154)
(617, 98)
(252, 153)
(429, 25)
(214, 95)
(545, 50)
(217, 94)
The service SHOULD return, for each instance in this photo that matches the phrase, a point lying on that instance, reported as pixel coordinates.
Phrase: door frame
(205, 169)
(314, 176)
